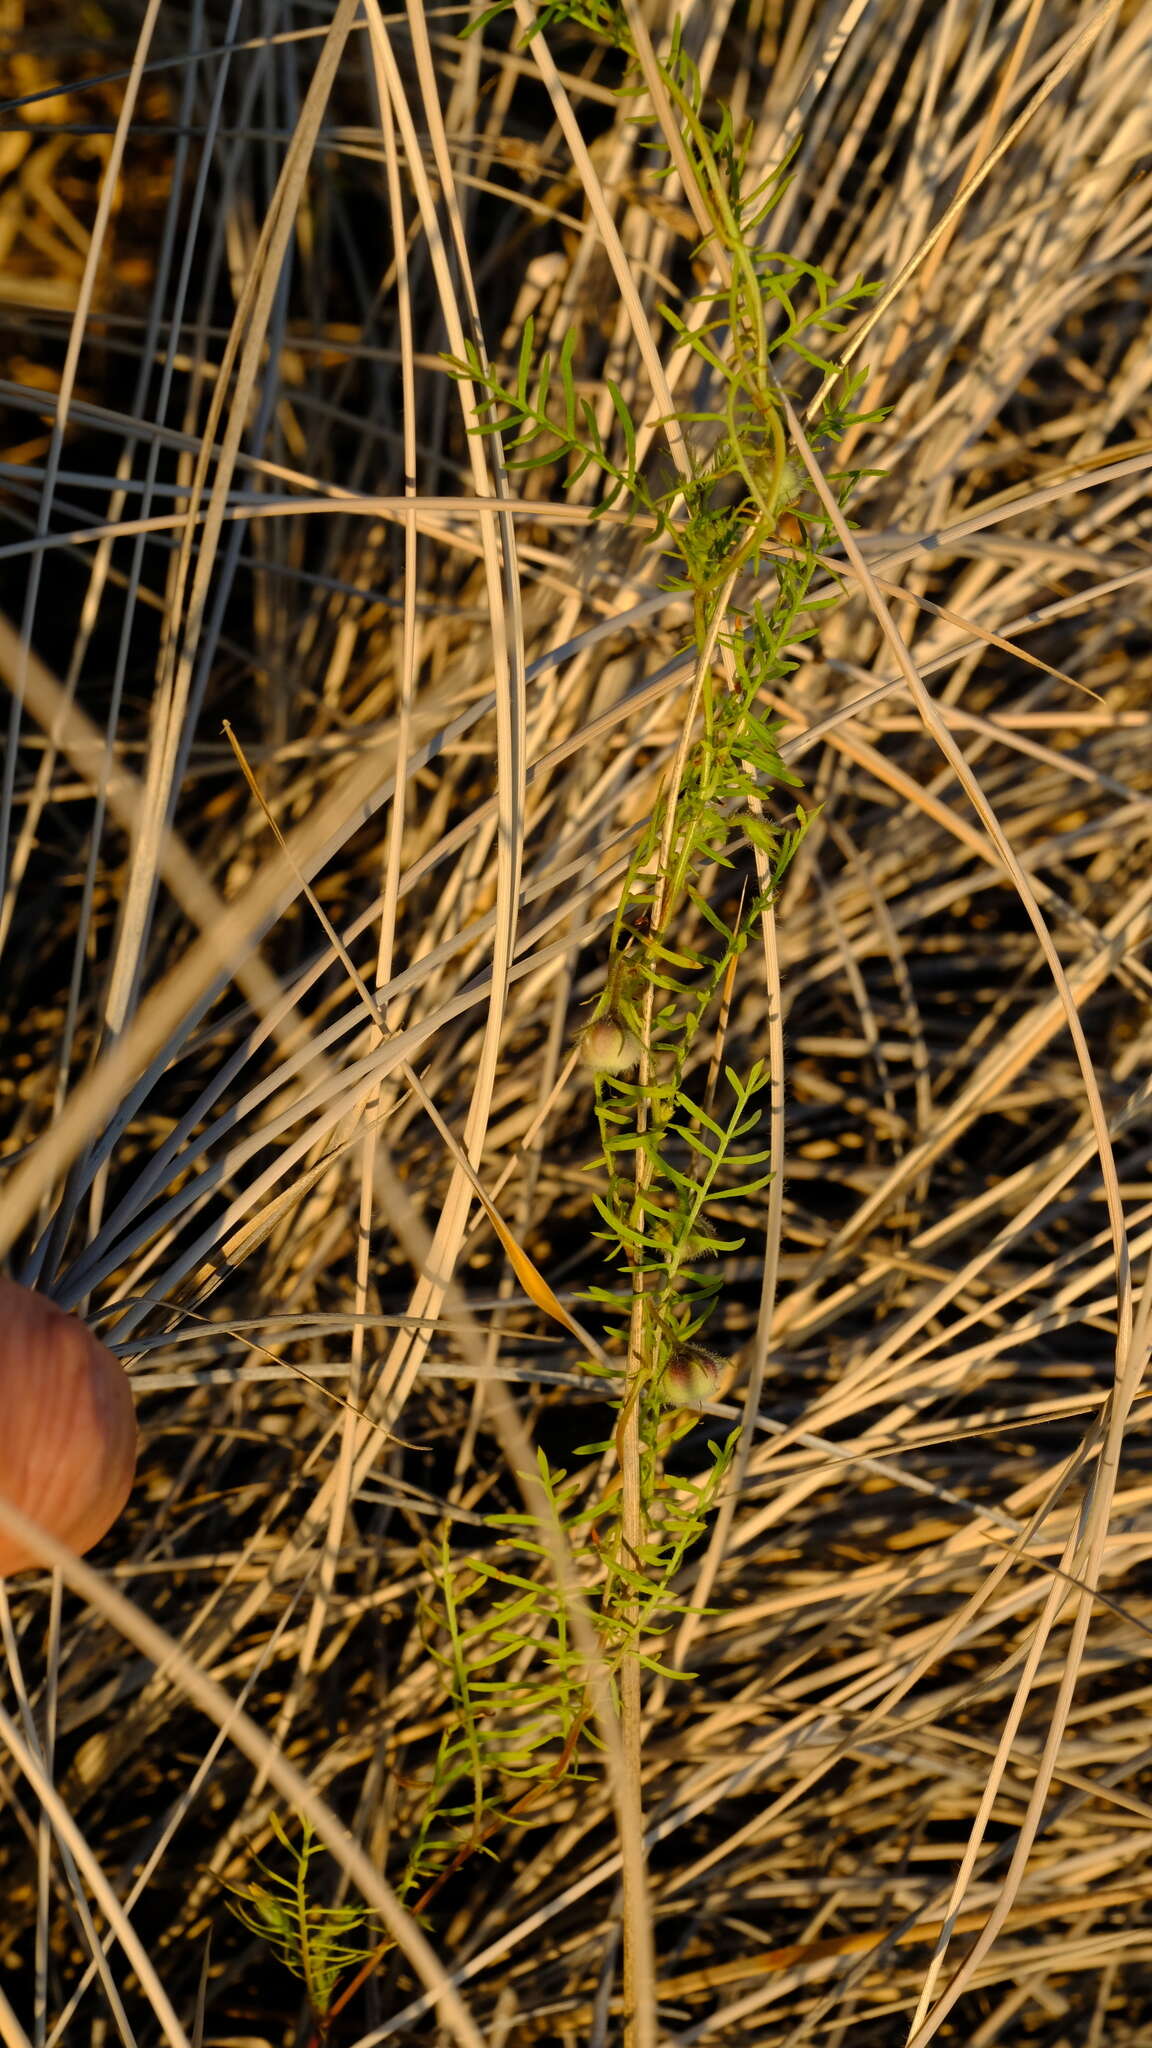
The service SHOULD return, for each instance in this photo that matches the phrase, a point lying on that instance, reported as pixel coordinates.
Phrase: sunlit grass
(903, 1794)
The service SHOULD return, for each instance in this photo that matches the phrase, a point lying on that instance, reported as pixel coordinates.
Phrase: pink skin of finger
(67, 1425)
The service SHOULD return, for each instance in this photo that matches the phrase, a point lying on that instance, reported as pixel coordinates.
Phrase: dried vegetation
(907, 1793)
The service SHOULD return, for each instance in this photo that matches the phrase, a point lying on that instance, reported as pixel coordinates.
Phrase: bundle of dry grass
(905, 1793)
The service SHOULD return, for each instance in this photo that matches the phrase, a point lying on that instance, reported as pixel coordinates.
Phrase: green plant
(730, 514)
(735, 536)
(311, 1940)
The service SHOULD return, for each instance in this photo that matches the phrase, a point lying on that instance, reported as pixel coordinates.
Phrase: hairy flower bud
(608, 1046)
(693, 1376)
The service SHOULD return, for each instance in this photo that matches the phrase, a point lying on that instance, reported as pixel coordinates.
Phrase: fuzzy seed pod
(693, 1376)
(793, 480)
(608, 1046)
(67, 1425)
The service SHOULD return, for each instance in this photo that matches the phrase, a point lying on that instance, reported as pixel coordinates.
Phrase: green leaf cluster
(313, 1941)
(497, 1629)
